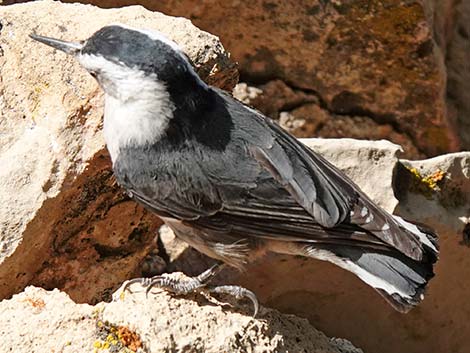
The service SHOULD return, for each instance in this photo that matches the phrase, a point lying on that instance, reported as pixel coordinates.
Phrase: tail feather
(427, 237)
(400, 279)
(410, 239)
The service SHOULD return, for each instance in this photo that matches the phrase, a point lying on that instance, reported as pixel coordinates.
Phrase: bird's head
(126, 62)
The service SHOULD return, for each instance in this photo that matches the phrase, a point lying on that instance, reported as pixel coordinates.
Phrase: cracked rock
(39, 321)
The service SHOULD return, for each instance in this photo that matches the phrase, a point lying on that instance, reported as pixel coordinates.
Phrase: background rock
(301, 114)
(458, 71)
(64, 221)
(373, 60)
(41, 321)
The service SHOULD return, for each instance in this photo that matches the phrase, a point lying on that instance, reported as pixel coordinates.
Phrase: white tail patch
(364, 212)
(385, 227)
(348, 265)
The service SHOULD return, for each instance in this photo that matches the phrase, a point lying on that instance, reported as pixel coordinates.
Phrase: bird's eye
(93, 73)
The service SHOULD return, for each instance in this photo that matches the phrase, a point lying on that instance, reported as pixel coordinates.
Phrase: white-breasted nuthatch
(232, 183)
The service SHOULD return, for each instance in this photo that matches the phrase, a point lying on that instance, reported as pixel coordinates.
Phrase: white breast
(136, 121)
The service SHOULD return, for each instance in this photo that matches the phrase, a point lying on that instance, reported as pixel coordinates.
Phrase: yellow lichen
(426, 184)
(433, 179)
(121, 295)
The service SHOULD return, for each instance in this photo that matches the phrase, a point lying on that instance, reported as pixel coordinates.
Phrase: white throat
(135, 122)
(137, 109)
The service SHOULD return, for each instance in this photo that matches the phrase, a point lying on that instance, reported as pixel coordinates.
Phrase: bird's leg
(177, 286)
(200, 282)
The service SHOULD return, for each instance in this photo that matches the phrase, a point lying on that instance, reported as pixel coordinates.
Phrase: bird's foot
(239, 293)
(185, 286)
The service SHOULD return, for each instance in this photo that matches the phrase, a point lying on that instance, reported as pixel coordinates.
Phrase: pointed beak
(67, 47)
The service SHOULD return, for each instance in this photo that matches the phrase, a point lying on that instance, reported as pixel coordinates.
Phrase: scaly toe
(239, 293)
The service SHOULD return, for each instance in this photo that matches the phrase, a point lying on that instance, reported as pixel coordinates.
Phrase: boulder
(64, 222)
(371, 59)
(39, 321)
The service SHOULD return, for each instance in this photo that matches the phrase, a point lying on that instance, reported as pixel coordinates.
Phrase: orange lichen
(35, 303)
(434, 179)
(427, 184)
(129, 339)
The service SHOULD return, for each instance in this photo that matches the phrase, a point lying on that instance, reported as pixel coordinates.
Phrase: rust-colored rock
(362, 58)
(458, 72)
(303, 115)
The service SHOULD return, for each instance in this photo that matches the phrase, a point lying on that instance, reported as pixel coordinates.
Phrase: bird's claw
(239, 293)
(180, 286)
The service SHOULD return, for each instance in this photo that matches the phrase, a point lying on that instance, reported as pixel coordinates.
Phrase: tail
(398, 278)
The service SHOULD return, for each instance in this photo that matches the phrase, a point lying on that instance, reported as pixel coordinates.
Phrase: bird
(230, 181)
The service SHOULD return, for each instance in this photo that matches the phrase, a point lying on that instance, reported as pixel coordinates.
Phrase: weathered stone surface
(365, 58)
(302, 114)
(458, 72)
(40, 321)
(63, 221)
(433, 191)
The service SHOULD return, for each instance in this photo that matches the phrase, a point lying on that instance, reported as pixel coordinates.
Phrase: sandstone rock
(458, 72)
(63, 221)
(273, 97)
(41, 321)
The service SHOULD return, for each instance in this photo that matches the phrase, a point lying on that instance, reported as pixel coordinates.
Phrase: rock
(458, 72)
(359, 127)
(434, 192)
(64, 222)
(273, 97)
(363, 58)
(49, 321)
(303, 115)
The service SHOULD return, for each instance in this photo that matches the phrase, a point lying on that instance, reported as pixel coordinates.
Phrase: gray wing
(324, 192)
(263, 184)
(309, 178)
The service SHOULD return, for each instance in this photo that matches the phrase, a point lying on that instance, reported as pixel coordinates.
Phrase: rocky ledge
(49, 321)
